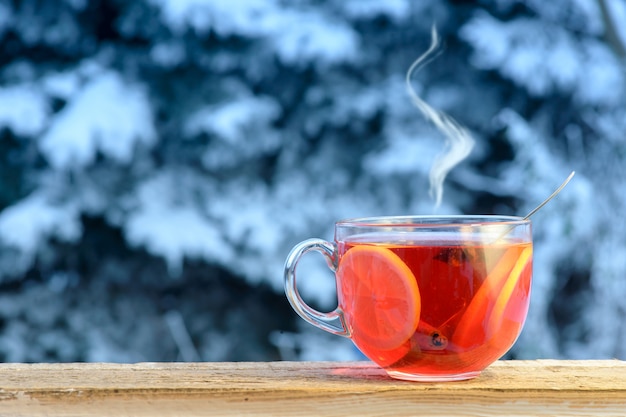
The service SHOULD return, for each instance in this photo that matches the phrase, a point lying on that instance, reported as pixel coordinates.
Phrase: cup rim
(431, 221)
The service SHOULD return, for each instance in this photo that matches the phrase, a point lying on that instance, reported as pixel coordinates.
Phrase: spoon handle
(558, 190)
(543, 203)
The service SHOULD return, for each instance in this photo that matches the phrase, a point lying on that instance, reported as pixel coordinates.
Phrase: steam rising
(459, 142)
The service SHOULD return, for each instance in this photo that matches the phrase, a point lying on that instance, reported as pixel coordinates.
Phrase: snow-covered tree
(158, 159)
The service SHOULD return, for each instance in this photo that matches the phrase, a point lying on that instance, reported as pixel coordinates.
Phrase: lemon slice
(379, 296)
(497, 314)
(477, 318)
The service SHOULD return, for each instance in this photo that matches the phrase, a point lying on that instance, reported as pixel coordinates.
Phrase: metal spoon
(543, 203)
(558, 190)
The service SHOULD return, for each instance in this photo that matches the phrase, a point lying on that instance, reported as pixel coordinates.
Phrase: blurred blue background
(159, 158)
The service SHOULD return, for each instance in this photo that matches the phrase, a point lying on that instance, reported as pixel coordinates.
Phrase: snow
(224, 16)
(24, 109)
(251, 220)
(252, 225)
(354, 104)
(406, 152)
(174, 230)
(589, 17)
(397, 10)
(297, 35)
(77, 4)
(545, 58)
(26, 224)
(168, 54)
(580, 15)
(608, 264)
(240, 130)
(5, 18)
(603, 81)
(62, 84)
(303, 37)
(562, 64)
(231, 121)
(483, 32)
(618, 13)
(107, 116)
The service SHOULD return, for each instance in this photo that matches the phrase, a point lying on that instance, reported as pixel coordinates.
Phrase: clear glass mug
(427, 298)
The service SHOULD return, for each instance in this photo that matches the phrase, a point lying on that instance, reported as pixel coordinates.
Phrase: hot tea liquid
(434, 308)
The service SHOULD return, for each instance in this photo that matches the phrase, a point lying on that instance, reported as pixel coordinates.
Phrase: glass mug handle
(331, 322)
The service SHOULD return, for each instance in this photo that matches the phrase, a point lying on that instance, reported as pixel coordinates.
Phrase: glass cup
(427, 298)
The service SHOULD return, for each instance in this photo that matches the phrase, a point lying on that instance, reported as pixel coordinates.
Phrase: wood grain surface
(516, 388)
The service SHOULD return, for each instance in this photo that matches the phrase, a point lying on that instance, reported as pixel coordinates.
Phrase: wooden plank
(516, 388)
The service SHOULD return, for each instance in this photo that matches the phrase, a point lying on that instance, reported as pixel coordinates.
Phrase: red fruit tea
(468, 309)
